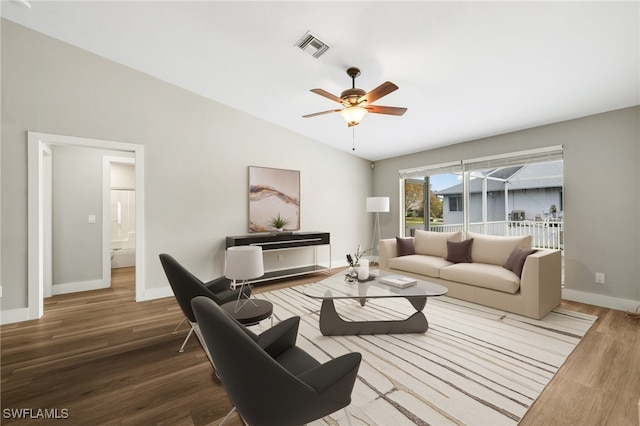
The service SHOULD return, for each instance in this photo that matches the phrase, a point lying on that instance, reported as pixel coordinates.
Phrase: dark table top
(252, 310)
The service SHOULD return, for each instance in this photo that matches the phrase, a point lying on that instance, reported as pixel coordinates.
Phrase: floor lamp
(376, 205)
(244, 263)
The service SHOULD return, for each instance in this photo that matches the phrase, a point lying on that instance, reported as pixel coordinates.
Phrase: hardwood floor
(100, 358)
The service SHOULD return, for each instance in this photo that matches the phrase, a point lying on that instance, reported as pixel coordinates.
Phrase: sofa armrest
(540, 283)
(388, 249)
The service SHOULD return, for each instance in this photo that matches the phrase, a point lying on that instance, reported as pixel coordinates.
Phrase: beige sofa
(484, 271)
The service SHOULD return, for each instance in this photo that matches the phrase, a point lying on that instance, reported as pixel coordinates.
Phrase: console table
(286, 241)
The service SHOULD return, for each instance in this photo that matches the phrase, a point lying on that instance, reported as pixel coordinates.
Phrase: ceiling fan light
(353, 114)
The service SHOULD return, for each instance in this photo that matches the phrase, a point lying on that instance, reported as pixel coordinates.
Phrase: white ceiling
(466, 70)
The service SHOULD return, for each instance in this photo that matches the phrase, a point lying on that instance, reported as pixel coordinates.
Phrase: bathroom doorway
(121, 194)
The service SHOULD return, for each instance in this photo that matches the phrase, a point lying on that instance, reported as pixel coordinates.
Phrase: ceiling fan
(357, 102)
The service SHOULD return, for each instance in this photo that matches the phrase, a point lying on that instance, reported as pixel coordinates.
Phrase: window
(455, 203)
(414, 190)
(518, 193)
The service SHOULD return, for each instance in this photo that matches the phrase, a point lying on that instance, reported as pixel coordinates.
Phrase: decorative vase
(353, 272)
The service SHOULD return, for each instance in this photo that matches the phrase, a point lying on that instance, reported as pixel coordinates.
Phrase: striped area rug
(474, 366)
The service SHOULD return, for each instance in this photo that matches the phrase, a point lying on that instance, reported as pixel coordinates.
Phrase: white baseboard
(156, 293)
(65, 288)
(601, 300)
(14, 315)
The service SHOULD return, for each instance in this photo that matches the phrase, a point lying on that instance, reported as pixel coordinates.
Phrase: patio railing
(546, 234)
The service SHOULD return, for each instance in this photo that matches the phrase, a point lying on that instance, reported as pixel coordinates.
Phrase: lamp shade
(244, 263)
(353, 114)
(377, 204)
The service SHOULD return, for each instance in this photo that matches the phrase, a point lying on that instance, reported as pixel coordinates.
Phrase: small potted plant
(279, 222)
(354, 260)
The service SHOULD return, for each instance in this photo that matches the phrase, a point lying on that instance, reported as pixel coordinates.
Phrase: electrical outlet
(92, 218)
(599, 278)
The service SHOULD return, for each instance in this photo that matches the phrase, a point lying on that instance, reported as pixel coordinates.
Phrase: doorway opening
(39, 208)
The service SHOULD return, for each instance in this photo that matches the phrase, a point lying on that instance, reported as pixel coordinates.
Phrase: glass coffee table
(336, 287)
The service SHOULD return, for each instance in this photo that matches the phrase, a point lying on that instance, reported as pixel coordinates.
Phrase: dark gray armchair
(186, 286)
(269, 379)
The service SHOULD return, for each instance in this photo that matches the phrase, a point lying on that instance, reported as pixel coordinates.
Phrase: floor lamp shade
(377, 204)
(244, 263)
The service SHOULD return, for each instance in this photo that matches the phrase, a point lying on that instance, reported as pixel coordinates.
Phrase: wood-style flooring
(98, 357)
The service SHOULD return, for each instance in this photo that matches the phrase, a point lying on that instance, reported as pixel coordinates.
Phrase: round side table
(249, 314)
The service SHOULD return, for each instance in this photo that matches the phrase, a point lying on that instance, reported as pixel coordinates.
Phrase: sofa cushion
(419, 264)
(496, 250)
(516, 260)
(459, 251)
(434, 243)
(482, 275)
(405, 246)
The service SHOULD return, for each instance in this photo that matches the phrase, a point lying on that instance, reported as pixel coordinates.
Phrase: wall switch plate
(92, 218)
(599, 278)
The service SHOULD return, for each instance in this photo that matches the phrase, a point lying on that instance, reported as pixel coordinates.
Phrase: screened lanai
(511, 200)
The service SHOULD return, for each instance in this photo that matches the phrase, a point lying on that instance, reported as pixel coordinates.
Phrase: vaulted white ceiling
(466, 70)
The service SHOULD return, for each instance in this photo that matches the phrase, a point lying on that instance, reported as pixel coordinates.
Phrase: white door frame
(37, 144)
(47, 217)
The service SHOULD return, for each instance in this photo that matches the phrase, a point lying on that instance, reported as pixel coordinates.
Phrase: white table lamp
(243, 263)
(376, 205)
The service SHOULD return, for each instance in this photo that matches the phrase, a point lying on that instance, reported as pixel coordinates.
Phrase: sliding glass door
(513, 194)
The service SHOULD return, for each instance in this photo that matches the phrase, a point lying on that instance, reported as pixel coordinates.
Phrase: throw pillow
(405, 246)
(459, 251)
(516, 260)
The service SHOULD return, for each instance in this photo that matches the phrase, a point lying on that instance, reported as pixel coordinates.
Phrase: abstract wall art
(274, 199)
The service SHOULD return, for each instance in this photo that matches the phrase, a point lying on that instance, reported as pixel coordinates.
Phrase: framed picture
(274, 199)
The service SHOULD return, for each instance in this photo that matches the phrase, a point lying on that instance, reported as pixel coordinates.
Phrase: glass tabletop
(336, 287)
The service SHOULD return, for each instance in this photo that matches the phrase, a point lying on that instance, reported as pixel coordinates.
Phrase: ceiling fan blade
(315, 114)
(383, 90)
(377, 109)
(327, 95)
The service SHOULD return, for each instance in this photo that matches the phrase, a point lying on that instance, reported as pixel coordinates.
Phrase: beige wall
(602, 197)
(196, 156)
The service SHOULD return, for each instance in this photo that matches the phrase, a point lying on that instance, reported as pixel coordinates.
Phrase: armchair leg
(233, 409)
(186, 339)
(196, 328)
(175, 330)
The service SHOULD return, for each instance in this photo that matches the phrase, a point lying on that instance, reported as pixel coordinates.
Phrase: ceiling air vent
(312, 45)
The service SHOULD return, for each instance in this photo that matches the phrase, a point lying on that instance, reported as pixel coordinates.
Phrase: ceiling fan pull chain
(353, 138)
